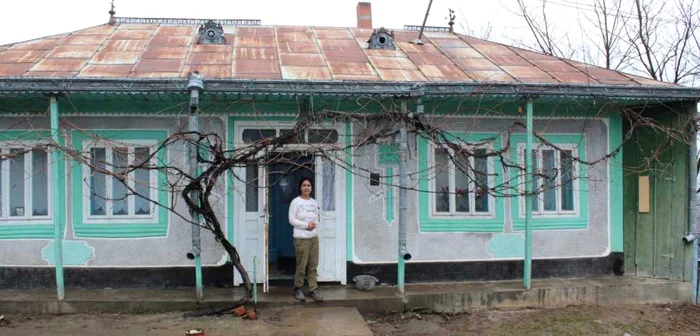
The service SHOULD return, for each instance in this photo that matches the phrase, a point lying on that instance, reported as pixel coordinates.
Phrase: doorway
(283, 180)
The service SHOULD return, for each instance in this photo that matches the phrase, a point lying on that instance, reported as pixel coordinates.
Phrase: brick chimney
(364, 15)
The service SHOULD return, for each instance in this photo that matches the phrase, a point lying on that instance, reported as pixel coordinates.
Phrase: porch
(441, 297)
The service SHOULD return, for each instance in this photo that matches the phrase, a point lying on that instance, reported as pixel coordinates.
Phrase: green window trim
(31, 230)
(576, 221)
(111, 228)
(428, 223)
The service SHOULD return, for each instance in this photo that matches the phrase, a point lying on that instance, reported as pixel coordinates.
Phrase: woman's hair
(301, 181)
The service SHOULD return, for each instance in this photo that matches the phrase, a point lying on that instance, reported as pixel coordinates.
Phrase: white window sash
(5, 217)
(131, 217)
(539, 198)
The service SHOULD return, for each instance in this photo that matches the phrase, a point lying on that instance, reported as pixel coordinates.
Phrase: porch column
(527, 272)
(57, 239)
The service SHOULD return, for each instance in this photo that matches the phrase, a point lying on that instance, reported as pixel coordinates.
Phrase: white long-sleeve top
(301, 212)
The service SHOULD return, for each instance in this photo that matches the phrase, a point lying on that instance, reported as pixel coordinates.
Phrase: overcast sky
(22, 20)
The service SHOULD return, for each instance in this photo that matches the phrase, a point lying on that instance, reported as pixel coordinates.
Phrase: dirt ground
(680, 319)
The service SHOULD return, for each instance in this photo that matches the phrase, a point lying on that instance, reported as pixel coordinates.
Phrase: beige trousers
(307, 262)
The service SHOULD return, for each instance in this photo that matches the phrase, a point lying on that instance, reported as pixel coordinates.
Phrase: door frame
(238, 212)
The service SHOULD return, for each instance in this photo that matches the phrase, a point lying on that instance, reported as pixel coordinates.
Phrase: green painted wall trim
(348, 193)
(506, 246)
(75, 253)
(462, 224)
(30, 229)
(389, 210)
(615, 165)
(111, 229)
(579, 221)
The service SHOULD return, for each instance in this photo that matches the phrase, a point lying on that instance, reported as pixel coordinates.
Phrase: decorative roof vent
(211, 33)
(381, 39)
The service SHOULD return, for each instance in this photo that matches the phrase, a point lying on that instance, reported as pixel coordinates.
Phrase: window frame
(5, 219)
(88, 218)
(452, 169)
(576, 187)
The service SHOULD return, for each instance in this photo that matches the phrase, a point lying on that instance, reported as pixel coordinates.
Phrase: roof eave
(21, 85)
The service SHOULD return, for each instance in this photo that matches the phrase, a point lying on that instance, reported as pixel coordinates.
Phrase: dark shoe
(299, 294)
(316, 296)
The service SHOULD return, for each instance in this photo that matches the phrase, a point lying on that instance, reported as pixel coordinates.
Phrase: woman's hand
(311, 226)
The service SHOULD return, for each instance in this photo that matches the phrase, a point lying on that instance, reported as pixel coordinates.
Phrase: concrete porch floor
(440, 297)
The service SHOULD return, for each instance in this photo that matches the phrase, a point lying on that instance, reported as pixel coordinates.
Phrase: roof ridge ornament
(211, 33)
(111, 12)
(381, 39)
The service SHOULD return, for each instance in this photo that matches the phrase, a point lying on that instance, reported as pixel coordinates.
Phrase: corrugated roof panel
(245, 66)
(306, 37)
(72, 51)
(107, 57)
(392, 63)
(525, 71)
(429, 58)
(384, 52)
(170, 41)
(491, 76)
(209, 58)
(284, 29)
(573, 77)
(84, 39)
(306, 72)
(345, 56)
(21, 56)
(356, 78)
(305, 60)
(414, 48)
(59, 64)
(338, 44)
(493, 49)
(442, 72)
(125, 45)
(298, 47)
(51, 74)
(509, 60)
(555, 66)
(97, 70)
(255, 53)
(131, 35)
(466, 52)
(175, 30)
(137, 26)
(355, 69)
(156, 75)
(209, 71)
(333, 34)
(14, 69)
(257, 75)
(401, 75)
(255, 31)
(449, 43)
(159, 65)
(98, 30)
(212, 47)
(41, 44)
(165, 53)
(255, 41)
(476, 64)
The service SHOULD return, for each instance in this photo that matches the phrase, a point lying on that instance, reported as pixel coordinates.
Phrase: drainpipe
(527, 272)
(195, 85)
(692, 211)
(57, 239)
(403, 254)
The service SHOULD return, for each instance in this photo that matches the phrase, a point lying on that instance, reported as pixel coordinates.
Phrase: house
(614, 193)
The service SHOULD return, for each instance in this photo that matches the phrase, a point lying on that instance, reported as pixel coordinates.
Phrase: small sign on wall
(644, 194)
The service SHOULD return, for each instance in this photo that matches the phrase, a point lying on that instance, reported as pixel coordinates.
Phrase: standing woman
(303, 216)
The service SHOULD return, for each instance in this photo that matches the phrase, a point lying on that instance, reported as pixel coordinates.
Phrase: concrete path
(279, 321)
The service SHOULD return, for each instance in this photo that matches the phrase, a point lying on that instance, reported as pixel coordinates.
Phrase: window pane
(328, 185)
(142, 182)
(120, 206)
(549, 170)
(323, 136)
(17, 179)
(251, 188)
(481, 179)
(98, 185)
(253, 135)
(462, 169)
(442, 181)
(40, 183)
(567, 184)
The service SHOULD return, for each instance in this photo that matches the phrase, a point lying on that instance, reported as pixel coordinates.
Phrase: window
(461, 182)
(555, 173)
(313, 136)
(24, 182)
(114, 192)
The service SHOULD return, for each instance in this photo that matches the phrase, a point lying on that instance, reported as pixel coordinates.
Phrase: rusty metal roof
(127, 50)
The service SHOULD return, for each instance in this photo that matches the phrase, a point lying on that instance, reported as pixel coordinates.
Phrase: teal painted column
(527, 272)
(55, 158)
(617, 241)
